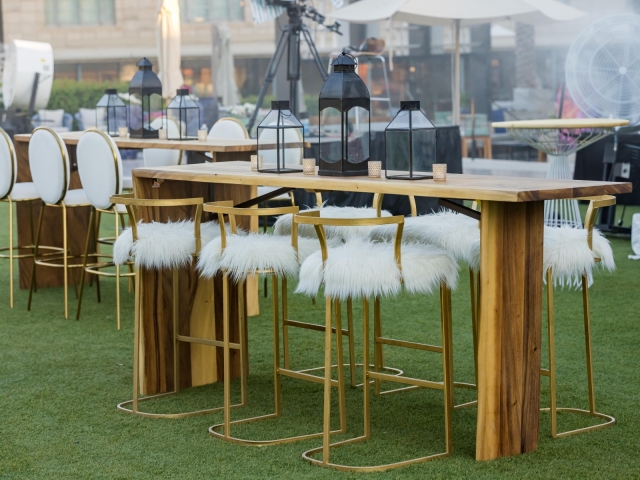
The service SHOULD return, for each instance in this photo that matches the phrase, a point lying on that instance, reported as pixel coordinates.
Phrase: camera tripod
(290, 40)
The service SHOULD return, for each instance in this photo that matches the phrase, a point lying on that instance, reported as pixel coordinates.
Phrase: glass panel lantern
(145, 94)
(410, 144)
(185, 113)
(281, 140)
(111, 113)
(345, 126)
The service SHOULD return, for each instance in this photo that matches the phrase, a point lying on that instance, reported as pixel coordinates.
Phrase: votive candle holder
(309, 166)
(256, 162)
(439, 172)
(375, 168)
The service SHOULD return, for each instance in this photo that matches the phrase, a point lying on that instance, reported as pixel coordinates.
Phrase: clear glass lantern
(410, 144)
(185, 113)
(145, 101)
(111, 113)
(280, 140)
(344, 119)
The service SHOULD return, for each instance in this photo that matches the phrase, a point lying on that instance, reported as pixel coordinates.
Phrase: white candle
(123, 132)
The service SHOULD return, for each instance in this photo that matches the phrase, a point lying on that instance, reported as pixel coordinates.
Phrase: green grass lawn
(60, 382)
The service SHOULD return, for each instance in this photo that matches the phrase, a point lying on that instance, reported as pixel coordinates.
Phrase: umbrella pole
(455, 93)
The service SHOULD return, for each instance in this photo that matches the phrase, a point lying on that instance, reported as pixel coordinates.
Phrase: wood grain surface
(474, 187)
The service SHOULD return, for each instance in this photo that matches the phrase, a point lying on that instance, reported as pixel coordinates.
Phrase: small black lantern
(145, 93)
(280, 140)
(185, 113)
(344, 119)
(111, 113)
(410, 144)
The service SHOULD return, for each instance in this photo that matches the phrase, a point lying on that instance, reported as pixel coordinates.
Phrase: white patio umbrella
(456, 13)
(225, 81)
(168, 42)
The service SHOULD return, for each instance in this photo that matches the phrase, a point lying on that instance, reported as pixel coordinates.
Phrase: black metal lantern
(280, 140)
(111, 113)
(410, 144)
(345, 125)
(145, 94)
(185, 113)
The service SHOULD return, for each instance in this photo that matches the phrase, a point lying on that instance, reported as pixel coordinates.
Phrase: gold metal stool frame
(594, 204)
(313, 218)
(132, 204)
(222, 209)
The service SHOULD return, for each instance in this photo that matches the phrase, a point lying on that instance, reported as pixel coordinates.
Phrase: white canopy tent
(457, 13)
(168, 43)
(225, 86)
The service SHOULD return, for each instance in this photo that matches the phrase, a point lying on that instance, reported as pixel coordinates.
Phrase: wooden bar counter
(511, 295)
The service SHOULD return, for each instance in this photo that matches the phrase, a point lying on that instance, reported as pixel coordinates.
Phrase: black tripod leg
(314, 53)
(271, 73)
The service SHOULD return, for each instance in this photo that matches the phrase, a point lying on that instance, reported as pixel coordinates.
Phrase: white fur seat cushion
(362, 268)
(255, 253)
(567, 253)
(450, 231)
(162, 245)
(24, 191)
(283, 223)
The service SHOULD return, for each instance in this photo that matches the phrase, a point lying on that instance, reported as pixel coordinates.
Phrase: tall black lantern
(410, 144)
(145, 91)
(345, 126)
(185, 113)
(280, 140)
(111, 113)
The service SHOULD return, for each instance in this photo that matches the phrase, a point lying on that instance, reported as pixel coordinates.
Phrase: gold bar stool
(100, 169)
(587, 248)
(158, 246)
(50, 169)
(335, 235)
(455, 233)
(12, 193)
(237, 257)
(364, 269)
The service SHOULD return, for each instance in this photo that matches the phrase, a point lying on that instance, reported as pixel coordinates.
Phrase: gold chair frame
(132, 205)
(595, 203)
(59, 253)
(226, 209)
(313, 218)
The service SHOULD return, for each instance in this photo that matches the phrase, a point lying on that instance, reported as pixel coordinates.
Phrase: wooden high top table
(78, 220)
(511, 294)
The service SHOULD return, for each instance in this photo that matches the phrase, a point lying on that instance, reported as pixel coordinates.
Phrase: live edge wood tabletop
(511, 291)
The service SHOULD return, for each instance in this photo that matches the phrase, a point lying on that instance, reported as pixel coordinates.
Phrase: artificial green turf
(60, 382)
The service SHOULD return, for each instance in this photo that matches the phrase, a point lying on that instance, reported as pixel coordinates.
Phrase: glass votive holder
(256, 162)
(375, 168)
(123, 132)
(162, 134)
(202, 135)
(309, 166)
(439, 172)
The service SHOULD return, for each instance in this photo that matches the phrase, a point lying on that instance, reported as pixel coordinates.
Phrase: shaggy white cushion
(254, 253)
(162, 245)
(456, 233)
(283, 223)
(362, 268)
(567, 253)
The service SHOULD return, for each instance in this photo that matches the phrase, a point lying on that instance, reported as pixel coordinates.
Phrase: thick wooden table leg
(510, 329)
(199, 364)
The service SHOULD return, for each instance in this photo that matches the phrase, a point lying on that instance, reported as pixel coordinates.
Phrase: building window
(212, 10)
(80, 12)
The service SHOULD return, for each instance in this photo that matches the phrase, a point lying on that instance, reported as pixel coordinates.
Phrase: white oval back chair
(51, 172)
(228, 128)
(100, 169)
(12, 192)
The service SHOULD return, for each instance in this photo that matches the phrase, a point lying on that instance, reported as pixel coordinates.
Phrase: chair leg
(243, 352)
(587, 340)
(552, 354)
(447, 363)
(176, 331)
(326, 434)
(351, 339)
(117, 234)
(11, 253)
(35, 255)
(33, 241)
(366, 392)
(276, 347)
(227, 356)
(65, 261)
(474, 320)
(378, 348)
(84, 262)
(285, 326)
(136, 338)
(340, 366)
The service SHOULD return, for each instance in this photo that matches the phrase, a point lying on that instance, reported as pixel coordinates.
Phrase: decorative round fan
(603, 68)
